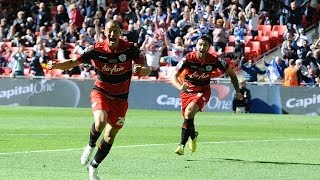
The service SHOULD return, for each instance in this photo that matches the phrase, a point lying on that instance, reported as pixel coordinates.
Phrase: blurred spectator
(190, 39)
(301, 36)
(204, 27)
(219, 33)
(81, 45)
(4, 26)
(62, 16)
(28, 40)
(11, 33)
(279, 66)
(43, 57)
(175, 10)
(35, 65)
(288, 51)
(16, 41)
(2, 35)
(42, 17)
(251, 71)
(240, 32)
(20, 23)
(245, 101)
(291, 74)
(76, 18)
(185, 22)
(309, 12)
(51, 42)
(91, 9)
(311, 76)
(83, 29)
(3, 64)
(147, 16)
(173, 31)
(153, 53)
(85, 73)
(161, 23)
(43, 34)
(56, 31)
(97, 17)
(302, 52)
(177, 49)
(90, 35)
(17, 62)
(30, 24)
(39, 46)
(81, 7)
(63, 53)
(71, 35)
(132, 34)
(302, 72)
(295, 13)
(253, 19)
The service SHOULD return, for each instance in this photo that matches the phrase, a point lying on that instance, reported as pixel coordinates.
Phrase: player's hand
(239, 96)
(137, 69)
(184, 87)
(50, 65)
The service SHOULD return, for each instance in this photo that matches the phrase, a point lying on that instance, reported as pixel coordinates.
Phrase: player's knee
(100, 118)
(189, 113)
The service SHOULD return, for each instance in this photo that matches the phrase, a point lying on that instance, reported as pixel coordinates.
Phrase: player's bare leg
(100, 120)
(103, 150)
(188, 129)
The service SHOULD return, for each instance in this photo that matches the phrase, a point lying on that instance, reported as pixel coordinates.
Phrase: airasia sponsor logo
(196, 75)
(303, 102)
(113, 69)
(33, 88)
(220, 101)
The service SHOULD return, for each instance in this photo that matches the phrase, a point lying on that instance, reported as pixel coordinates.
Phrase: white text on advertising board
(33, 88)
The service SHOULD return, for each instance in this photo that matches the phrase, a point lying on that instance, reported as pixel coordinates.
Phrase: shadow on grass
(269, 162)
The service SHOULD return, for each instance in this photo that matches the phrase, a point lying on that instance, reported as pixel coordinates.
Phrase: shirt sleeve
(87, 55)
(181, 65)
(137, 56)
(222, 65)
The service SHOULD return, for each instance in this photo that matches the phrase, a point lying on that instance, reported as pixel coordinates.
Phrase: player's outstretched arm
(64, 65)
(235, 82)
(174, 79)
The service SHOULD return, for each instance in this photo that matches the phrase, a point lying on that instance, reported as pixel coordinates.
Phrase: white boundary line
(42, 134)
(150, 145)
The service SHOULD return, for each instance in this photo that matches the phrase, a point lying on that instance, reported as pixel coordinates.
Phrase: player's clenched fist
(50, 65)
(137, 69)
(184, 87)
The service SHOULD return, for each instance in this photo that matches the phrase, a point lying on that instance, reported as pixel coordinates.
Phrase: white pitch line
(150, 145)
(42, 134)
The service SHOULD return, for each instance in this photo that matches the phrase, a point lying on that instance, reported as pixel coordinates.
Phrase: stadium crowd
(33, 32)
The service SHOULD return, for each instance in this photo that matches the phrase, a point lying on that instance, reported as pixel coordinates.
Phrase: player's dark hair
(206, 37)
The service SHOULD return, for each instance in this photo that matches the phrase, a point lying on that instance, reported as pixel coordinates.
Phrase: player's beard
(202, 54)
(113, 43)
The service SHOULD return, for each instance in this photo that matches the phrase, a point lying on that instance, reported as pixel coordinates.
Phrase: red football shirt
(197, 72)
(114, 68)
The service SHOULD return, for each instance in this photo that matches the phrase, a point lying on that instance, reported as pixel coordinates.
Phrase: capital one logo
(217, 100)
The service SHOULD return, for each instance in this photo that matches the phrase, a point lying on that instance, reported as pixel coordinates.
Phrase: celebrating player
(113, 60)
(192, 78)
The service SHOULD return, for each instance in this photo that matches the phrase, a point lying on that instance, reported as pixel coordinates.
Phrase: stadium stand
(137, 23)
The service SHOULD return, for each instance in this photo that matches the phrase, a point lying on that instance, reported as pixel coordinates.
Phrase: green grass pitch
(39, 143)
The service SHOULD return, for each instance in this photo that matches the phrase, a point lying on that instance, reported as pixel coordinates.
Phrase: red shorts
(200, 99)
(115, 108)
